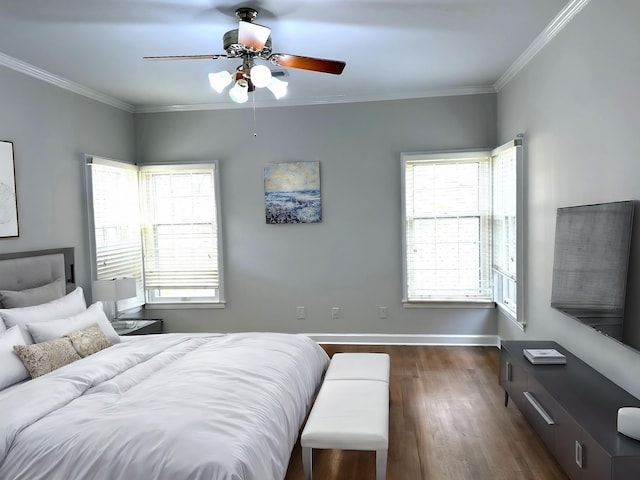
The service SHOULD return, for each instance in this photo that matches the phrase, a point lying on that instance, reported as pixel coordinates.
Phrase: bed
(171, 406)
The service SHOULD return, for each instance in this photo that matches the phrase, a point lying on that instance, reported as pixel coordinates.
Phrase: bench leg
(307, 462)
(381, 464)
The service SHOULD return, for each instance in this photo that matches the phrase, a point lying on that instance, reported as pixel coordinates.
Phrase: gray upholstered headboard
(22, 270)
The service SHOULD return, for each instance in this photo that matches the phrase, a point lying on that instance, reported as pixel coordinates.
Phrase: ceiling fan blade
(185, 57)
(253, 35)
(308, 63)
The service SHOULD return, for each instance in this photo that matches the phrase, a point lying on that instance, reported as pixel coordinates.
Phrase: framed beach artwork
(292, 192)
(8, 202)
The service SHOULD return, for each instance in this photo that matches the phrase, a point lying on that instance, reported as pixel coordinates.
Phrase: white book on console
(544, 355)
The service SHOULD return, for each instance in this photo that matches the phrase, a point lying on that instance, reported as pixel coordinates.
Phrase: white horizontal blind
(117, 246)
(446, 227)
(180, 233)
(504, 213)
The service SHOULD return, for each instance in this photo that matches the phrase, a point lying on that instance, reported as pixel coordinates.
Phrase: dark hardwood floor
(447, 422)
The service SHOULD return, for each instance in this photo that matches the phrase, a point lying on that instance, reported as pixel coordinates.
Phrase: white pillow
(33, 296)
(2, 327)
(12, 370)
(52, 329)
(60, 308)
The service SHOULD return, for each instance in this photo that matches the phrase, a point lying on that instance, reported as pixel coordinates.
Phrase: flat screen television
(591, 259)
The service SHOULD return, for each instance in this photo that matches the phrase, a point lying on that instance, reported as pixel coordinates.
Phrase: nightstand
(137, 326)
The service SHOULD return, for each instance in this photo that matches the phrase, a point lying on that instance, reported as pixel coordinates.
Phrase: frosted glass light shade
(277, 87)
(220, 80)
(240, 92)
(260, 76)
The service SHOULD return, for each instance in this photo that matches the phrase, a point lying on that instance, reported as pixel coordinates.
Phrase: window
(462, 228)
(166, 217)
(446, 227)
(507, 241)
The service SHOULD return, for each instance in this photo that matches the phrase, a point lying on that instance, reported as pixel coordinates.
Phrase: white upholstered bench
(351, 411)
(359, 366)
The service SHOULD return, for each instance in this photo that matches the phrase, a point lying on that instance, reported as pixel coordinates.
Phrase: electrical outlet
(301, 313)
(383, 312)
(335, 313)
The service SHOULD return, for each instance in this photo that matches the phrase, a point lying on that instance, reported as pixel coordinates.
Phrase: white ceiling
(393, 49)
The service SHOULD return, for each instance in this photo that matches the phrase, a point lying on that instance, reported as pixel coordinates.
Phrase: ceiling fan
(249, 42)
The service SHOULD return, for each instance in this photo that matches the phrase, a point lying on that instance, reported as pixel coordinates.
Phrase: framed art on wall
(8, 200)
(292, 192)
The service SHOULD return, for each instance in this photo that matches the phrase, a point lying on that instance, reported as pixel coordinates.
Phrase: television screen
(591, 257)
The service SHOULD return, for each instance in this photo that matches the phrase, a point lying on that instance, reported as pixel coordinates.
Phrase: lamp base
(109, 309)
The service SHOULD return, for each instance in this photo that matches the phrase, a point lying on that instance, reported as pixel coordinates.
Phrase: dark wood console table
(574, 410)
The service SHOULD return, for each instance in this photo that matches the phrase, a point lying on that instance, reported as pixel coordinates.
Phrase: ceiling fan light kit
(249, 42)
(248, 77)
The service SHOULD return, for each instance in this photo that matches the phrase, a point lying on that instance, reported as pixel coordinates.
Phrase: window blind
(180, 233)
(504, 213)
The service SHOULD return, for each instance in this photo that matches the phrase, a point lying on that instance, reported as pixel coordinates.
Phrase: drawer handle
(534, 403)
(507, 372)
(579, 454)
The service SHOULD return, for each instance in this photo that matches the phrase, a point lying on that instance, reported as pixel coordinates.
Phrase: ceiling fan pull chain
(255, 127)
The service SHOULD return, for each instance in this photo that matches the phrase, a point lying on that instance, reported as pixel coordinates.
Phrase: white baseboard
(408, 339)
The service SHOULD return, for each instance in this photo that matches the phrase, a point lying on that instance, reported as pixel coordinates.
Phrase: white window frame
(462, 301)
(503, 279)
(196, 302)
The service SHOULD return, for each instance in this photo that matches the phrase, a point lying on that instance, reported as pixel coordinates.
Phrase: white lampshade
(110, 291)
(260, 76)
(240, 92)
(220, 80)
(114, 289)
(277, 87)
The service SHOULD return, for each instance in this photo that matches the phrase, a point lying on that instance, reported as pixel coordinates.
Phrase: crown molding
(557, 24)
(483, 89)
(35, 72)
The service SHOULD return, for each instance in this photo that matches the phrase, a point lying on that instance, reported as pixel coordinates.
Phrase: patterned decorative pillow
(45, 357)
(89, 340)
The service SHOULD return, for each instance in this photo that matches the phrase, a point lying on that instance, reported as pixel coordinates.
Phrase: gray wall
(577, 102)
(51, 129)
(352, 259)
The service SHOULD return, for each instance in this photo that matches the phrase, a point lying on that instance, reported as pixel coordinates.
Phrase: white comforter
(164, 407)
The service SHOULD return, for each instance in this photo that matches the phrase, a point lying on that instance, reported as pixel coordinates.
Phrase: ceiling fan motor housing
(235, 49)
